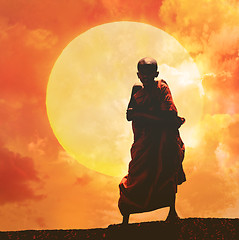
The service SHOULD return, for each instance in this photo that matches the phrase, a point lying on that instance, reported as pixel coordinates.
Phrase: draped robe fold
(157, 153)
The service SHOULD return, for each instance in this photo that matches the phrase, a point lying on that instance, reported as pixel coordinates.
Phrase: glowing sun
(90, 86)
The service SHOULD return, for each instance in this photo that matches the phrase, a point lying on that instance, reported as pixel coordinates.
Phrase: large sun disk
(90, 86)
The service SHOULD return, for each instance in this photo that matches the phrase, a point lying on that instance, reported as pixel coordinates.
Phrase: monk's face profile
(147, 71)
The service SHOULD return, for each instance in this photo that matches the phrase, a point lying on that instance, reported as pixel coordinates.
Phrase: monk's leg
(172, 215)
(125, 219)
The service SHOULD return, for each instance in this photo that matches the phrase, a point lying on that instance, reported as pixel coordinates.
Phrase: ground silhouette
(189, 228)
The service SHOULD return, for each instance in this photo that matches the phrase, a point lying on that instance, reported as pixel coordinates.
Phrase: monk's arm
(161, 116)
(132, 103)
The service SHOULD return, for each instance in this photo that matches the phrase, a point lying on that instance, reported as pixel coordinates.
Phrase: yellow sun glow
(90, 86)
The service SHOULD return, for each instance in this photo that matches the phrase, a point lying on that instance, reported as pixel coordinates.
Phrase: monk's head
(147, 71)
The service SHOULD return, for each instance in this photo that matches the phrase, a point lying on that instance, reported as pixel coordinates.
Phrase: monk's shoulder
(136, 88)
(162, 84)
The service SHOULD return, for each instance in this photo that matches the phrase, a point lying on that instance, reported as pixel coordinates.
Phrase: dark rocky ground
(190, 228)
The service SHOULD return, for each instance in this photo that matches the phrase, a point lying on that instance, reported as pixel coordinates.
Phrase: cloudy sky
(41, 186)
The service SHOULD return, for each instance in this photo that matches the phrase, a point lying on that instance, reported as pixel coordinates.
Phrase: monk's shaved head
(147, 65)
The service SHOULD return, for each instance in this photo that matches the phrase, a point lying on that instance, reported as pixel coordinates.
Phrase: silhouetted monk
(157, 152)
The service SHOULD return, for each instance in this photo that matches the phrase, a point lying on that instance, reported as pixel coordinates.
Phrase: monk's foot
(125, 220)
(172, 216)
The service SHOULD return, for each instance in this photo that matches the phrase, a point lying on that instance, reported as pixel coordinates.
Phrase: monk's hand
(132, 114)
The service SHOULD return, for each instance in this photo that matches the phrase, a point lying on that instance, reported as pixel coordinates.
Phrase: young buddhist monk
(157, 152)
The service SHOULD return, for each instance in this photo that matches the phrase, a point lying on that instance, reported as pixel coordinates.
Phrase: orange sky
(41, 186)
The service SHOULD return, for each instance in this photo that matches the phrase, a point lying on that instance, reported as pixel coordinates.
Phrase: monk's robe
(157, 152)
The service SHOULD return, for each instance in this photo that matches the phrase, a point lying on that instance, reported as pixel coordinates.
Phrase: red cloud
(84, 180)
(17, 174)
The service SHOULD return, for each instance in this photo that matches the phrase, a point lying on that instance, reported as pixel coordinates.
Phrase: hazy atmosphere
(42, 134)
